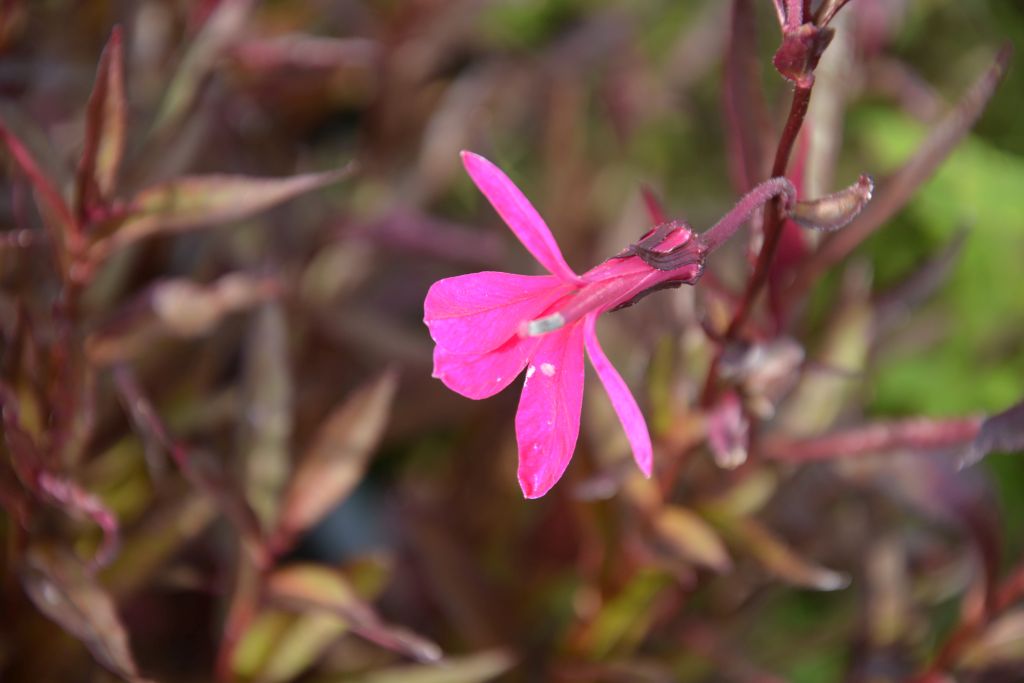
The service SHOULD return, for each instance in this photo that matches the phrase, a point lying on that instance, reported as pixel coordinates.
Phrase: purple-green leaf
(64, 591)
(194, 202)
(105, 125)
(337, 458)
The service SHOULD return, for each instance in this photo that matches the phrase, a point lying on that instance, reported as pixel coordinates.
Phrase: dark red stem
(773, 217)
(773, 223)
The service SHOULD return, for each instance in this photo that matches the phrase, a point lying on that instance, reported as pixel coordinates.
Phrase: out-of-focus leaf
(178, 308)
(918, 434)
(888, 607)
(744, 103)
(782, 560)
(317, 588)
(204, 201)
(201, 471)
(303, 51)
(745, 497)
(337, 458)
(56, 208)
(476, 668)
(279, 646)
(221, 29)
(105, 124)
(158, 537)
(895, 191)
(1001, 644)
(625, 619)
(823, 391)
(64, 591)
(1002, 432)
(690, 537)
(268, 414)
(77, 502)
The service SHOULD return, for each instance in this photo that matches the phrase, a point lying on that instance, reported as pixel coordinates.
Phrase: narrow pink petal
(517, 212)
(548, 421)
(479, 312)
(622, 399)
(483, 375)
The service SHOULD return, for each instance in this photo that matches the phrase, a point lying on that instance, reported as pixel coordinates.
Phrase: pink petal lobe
(479, 312)
(548, 420)
(622, 399)
(482, 375)
(517, 212)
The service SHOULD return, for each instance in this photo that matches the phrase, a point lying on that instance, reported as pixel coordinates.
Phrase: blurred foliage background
(248, 394)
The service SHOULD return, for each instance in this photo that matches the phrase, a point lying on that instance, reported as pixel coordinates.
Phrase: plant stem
(772, 232)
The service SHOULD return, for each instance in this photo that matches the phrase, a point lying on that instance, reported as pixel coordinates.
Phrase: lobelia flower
(488, 327)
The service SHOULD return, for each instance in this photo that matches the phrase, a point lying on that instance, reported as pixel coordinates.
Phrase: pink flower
(490, 326)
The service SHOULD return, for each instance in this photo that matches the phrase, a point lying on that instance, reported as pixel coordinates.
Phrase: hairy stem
(772, 190)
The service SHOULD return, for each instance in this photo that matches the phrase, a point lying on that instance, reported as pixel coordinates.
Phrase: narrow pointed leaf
(65, 592)
(315, 588)
(691, 538)
(279, 646)
(338, 456)
(105, 124)
(49, 195)
(784, 561)
(894, 192)
(205, 201)
(267, 430)
(221, 29)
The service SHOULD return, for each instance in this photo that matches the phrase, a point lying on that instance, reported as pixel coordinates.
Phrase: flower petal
(622, 399)
(548, 421)
(483, 375)
(517, 212)
(479, 312)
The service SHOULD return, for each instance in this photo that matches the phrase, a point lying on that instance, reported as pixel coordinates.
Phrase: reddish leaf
(57, 208)
(317, 588)
(743, 100)
(105, 123)
(893, 194)
(877, 437)
(201, 472)
(219, 31)
(75, 501)
(337, 458)
(62, 590)
(204, 201)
